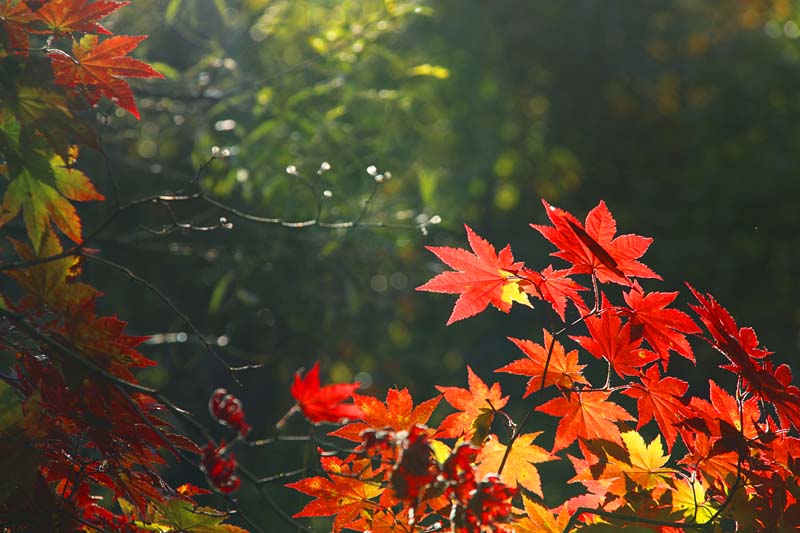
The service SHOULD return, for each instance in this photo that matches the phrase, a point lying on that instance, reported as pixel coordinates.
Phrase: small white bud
(372, 170)
(379, 178)
(387, 175)
(324, 167)
(424, 230)
(291, 170)
(215, 151)
(225, 153)
(327, 194)
(436, 219)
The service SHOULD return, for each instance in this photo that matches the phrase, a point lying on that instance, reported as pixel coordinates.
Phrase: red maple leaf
(481, 278)
(102, 339)
(563, 369)
(52, 284)
(68, 16)
(749, 361)
(15, 18)
(660, 398)
(588, 415)
(663, 329)
(324, 404)
(99, 67)
(472, 404)
(611, 340)
(554, 287)
(593, 248)
(710, 446)
(398, 413)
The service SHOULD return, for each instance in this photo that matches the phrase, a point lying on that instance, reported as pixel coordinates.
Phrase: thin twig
(186, 320)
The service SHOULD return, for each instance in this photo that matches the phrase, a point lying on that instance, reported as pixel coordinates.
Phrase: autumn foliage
(649, 452)
(83, 442)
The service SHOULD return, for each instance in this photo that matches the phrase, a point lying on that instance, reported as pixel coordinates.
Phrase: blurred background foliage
(681, 114)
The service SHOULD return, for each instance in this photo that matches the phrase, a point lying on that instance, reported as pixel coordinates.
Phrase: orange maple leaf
(563, 369)
(51, 284)
(346, 493)
(539, 519)
(397, 413)
(588, 415)
(99, 66)
(472, 403)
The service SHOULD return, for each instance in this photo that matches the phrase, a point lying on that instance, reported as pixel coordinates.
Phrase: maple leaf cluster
(82, 442)
(711, 454)
(95, 67)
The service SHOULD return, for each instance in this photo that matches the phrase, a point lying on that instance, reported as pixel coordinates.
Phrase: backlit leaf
(519, 467)
(99, 66)
(481, 278)
(472, 403)
(588, 415)
(563, 369)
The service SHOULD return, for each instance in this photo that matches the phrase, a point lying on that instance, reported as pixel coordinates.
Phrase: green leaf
(181, 515)
(219, 292)
(40, 191)
(10, 129)
(172, 11)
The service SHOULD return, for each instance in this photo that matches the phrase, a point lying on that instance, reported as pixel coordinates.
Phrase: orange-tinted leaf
(99, 66)
(539, 519)
(594, 248)
(71, 182)
(15, 17)
(324, 404)
(67, 16)
(519, 467)
(563, 369)
(588, 415)
(189, 490)
(663, 329)
(481, 278)
(51, 284)
(472, 403)
(397, 413)
(345, 494)
(660, 398)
